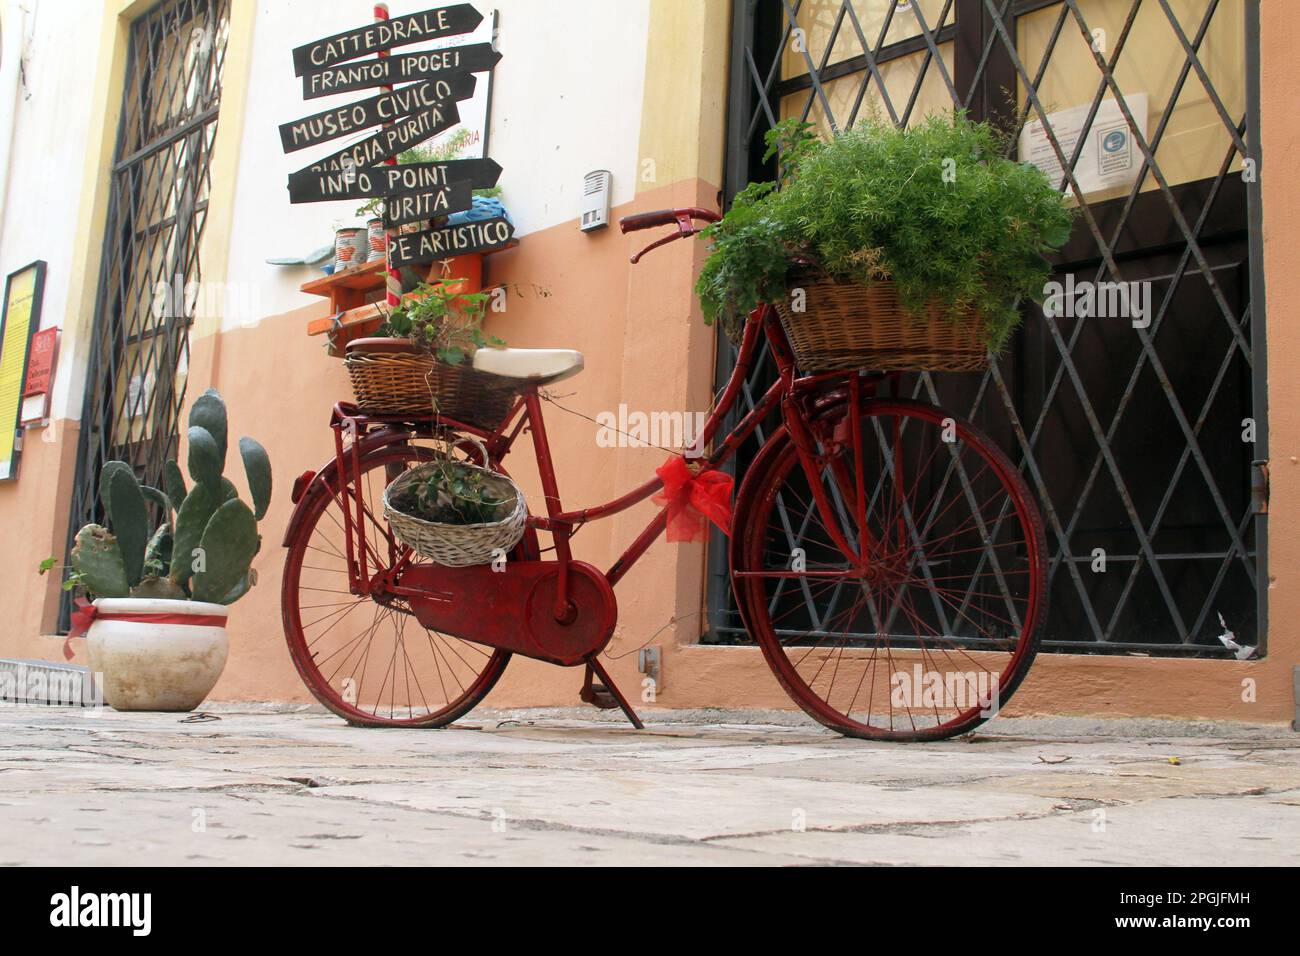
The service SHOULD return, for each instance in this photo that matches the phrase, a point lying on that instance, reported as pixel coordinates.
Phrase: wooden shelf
(369, 275)
(356, 295)
(370, 314)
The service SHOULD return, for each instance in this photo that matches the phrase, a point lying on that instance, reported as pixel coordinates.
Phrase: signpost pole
(393, 285)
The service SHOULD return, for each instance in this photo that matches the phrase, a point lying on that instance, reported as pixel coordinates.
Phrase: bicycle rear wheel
(366, 657)
(935, 626)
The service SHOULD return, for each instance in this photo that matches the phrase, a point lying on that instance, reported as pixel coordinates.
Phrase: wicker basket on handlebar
(846, 325)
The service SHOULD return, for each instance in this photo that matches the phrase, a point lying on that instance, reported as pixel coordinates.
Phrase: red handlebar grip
(648, 220)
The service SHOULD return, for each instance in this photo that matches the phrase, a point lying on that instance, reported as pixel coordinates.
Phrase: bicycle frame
(365, 432)
(798, 397)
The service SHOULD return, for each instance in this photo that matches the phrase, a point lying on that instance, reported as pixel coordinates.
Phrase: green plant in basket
(454, 492)
(440, 320)
(935, 207)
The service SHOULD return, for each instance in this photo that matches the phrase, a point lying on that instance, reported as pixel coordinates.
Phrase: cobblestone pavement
(272, 786)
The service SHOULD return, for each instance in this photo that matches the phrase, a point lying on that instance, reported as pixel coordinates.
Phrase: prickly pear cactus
(98, 560)
(124, 502)
(209, 413)
(174, 483)
(258, 469)
(206, 544)
(153, 586)
(191, 519)
(206, 457)
(229, 544)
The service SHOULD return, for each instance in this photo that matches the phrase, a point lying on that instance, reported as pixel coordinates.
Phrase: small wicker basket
(389, 377)
(852, 326)
(457, 545)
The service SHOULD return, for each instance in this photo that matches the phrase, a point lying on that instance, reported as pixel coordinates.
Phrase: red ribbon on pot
(689, 497)
(85, 614)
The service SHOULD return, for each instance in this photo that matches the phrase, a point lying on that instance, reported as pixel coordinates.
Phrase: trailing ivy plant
(440, 320)
(936, 207)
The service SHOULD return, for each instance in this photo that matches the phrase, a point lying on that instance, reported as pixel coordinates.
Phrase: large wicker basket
(457, 545)
(850, 326)
(389, 377)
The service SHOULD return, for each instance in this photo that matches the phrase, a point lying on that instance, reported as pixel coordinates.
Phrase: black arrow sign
(384, 35)
(426, 204)
(311, 185)
(401, 68)
(384, 108)
(389, 141)
(451, 241)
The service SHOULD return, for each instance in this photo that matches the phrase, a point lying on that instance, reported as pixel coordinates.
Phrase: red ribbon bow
(82, 618)
(690, 498)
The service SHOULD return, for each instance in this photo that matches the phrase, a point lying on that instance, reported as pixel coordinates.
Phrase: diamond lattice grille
(1136, 440)
(157, 207)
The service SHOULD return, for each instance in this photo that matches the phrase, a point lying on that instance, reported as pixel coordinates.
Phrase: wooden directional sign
(400, 68)
(310, 185)
(425, 204)
(389, 141)
(384, 108)
(450, 241)
(384, 35)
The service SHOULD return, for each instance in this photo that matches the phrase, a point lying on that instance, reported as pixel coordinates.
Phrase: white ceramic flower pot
(150, 665)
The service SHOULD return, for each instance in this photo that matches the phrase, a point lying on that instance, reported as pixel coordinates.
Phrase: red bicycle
(885, 555)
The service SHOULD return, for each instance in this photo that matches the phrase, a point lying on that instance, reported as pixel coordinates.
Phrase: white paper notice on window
(1110, 156)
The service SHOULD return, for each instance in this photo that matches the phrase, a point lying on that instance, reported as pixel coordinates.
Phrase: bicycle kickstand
(605, 695)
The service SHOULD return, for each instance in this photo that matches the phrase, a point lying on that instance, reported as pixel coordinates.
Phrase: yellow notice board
(22, 316)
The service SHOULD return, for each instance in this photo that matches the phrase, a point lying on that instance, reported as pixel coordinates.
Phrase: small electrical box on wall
(595, 200)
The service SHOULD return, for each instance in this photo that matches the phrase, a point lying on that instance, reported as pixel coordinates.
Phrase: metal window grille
(149, 269)
(1136, 441)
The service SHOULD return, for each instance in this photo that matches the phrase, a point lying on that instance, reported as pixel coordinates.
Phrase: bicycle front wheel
(930, 621)
(365, 656)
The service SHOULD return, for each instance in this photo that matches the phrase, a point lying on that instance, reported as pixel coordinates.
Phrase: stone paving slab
(265, 786)
(1177, 832)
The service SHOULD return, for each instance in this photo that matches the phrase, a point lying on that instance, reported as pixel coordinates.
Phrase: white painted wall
(566, 100)
(51, 120)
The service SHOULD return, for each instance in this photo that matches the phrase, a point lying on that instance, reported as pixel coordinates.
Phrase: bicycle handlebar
(664, 217)
(647, 220)
(684, 219)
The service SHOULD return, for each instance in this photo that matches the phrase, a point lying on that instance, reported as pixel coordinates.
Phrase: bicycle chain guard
(513, 609)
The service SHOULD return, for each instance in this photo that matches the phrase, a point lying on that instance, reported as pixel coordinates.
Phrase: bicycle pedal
(599, 696)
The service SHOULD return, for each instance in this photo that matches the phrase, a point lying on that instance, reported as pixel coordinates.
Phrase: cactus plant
(204, 548)
(174, 483)
(124, 503)
(229, 544)
(98, 559)
(191, 519)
